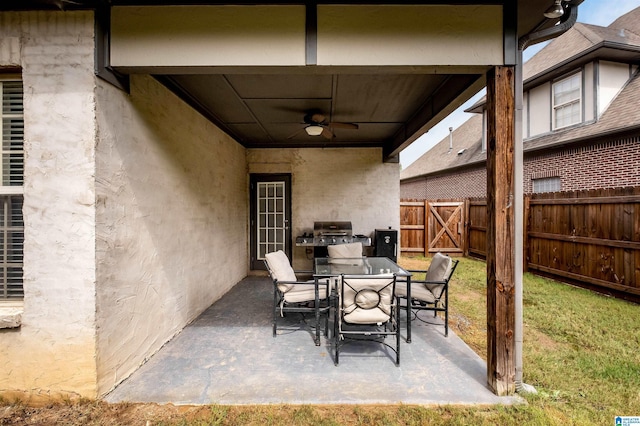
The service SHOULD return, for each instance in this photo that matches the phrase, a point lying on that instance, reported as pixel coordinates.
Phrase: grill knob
(333, 240)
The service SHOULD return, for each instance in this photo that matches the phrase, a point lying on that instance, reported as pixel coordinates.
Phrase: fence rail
(590, 238)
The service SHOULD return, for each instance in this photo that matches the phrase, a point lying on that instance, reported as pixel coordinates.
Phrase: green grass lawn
(581, 349)
(581, 353)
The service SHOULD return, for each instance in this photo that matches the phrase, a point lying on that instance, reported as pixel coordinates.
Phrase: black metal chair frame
(320, 306)
(413, 306)
(370, 331)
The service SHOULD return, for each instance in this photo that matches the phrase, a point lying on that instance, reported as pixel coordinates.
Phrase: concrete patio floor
(228, 356)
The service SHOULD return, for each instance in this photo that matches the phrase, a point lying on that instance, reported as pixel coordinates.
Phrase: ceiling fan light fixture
(314, 130)
(555, 10)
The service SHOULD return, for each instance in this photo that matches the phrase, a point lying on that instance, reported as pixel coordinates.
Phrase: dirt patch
(543, 342)
(103, 414)
(94, 413)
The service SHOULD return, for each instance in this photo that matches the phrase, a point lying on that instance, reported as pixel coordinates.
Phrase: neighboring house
(581, 121)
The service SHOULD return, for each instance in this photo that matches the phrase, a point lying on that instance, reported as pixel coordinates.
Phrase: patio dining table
(327, 267)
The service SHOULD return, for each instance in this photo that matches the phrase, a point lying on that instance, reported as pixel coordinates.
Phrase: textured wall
(335, 184)
(171, 221)
(53, 353)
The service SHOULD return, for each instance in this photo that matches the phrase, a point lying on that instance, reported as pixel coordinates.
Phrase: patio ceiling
(267, 110)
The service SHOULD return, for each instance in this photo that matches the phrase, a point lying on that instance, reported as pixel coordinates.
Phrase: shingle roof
(629, 21)
(467, 137)
(579, 39)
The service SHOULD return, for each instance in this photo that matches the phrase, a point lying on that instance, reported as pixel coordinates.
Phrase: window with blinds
(11, 198)
(550, 184)
(567, 107)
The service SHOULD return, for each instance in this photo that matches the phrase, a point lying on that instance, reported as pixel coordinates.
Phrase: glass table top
(357, 266)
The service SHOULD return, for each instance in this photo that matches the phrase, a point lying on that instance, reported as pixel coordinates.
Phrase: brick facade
(612, 164)
(604, 165)
(459, 184)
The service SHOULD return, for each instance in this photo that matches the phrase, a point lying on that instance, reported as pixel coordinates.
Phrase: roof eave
(605, 136)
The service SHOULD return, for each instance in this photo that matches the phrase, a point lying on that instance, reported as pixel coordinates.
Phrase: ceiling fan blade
(343, 126)
(327, 133)
(296, 133)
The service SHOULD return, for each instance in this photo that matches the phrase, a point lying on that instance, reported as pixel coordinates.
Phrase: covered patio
(228, 356)
(158, 135)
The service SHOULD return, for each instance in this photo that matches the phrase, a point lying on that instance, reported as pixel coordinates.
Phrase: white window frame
(547, 184)
(570, 102)
(12, 223)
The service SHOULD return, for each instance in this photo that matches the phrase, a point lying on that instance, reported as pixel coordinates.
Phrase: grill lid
(332, 229)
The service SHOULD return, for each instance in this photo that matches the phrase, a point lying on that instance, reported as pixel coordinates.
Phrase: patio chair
(349, 250)
(345, 251)
(367, 310)
(430, 294)
(293, 295)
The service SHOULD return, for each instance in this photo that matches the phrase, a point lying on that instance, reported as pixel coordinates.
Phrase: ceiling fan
(317, 125)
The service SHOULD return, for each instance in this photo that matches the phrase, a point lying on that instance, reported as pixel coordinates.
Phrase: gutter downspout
(567, 21)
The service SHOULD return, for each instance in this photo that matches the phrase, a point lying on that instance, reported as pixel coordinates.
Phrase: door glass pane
(271, 212)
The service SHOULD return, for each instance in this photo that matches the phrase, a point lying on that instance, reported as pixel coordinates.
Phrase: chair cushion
(441, 271)
(304, 293)
(419, 291)
(361, 303)
(345, 250)
(281, 269)
(439, 267)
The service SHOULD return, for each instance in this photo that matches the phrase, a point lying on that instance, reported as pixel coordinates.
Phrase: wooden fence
(589, 238)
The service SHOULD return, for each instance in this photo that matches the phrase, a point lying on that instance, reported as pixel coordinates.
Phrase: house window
(11, 198)
(551, 184)
(567, 109)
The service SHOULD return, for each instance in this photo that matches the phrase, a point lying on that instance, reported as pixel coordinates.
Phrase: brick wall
(603, 165)
(463, 184)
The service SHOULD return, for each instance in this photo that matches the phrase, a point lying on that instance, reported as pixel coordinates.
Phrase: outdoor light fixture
(314, 130)
(555, 11)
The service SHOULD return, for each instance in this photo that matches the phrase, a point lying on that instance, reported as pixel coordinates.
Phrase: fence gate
(445, 226)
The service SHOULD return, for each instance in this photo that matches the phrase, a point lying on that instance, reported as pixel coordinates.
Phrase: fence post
(525, 231)
(465, 229)
(427, 228)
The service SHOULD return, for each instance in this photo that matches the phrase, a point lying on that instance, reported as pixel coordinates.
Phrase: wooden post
(500, 230)
(525, 233)
(427, 230)
(466, 232)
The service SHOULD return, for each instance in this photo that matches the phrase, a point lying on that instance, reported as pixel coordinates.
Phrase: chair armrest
(428, 282)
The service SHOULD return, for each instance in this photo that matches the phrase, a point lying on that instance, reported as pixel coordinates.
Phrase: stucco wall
(53, 352)
(612, 77)
(539, 119)
(335, 184)
(171, 221)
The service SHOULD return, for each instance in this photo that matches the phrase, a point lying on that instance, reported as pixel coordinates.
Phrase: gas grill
(330, 233)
